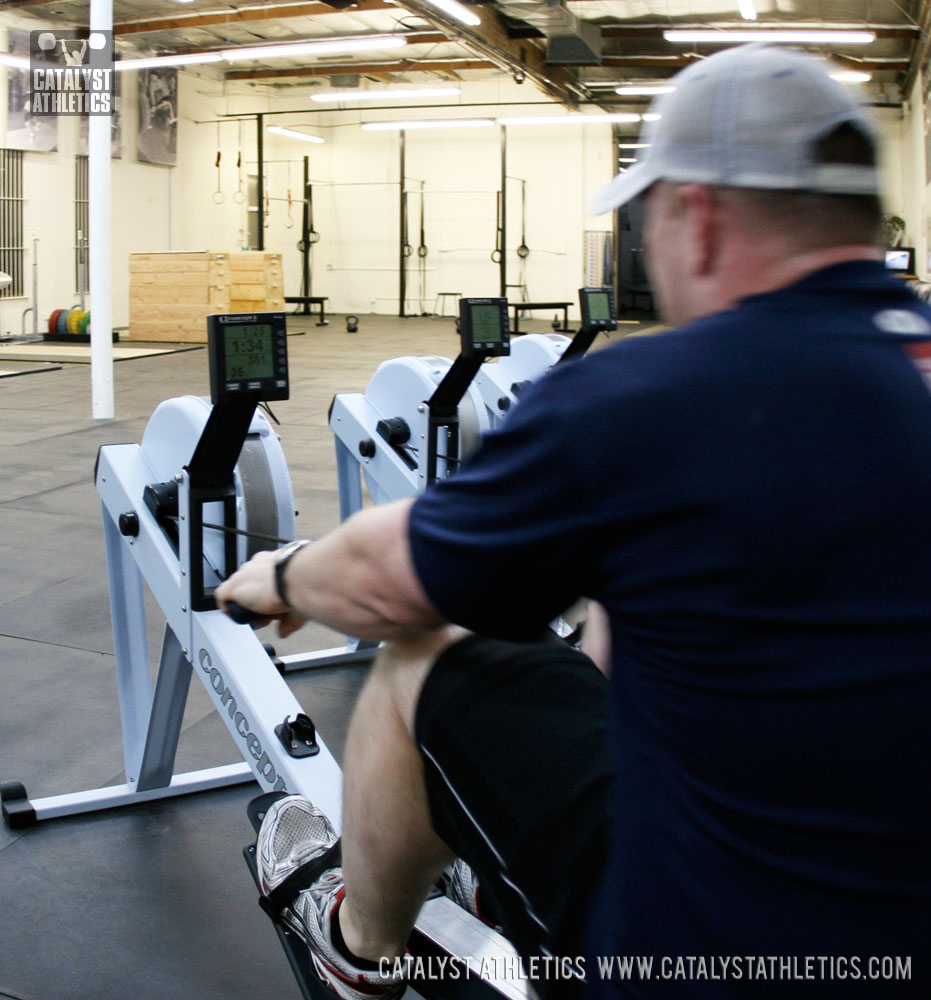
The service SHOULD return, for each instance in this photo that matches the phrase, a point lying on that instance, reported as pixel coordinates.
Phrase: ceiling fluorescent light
(570, 119)
(186, 59)
(456, 10)
(746, 10)
(738, 35)
(290, 133)
(851, 76)
(404, 126)
(633, 145)
(651, 118)
(644, 91)
(374, 95)
(314, 48)
(627, 159)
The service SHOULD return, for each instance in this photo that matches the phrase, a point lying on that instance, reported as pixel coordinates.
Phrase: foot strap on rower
(300, 879)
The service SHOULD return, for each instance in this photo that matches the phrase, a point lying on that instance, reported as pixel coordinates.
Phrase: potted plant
(892, 230)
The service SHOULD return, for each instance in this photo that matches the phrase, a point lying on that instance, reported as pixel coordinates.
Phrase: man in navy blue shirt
(742, 810)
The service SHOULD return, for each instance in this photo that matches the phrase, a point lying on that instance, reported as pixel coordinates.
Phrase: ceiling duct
(569, 40)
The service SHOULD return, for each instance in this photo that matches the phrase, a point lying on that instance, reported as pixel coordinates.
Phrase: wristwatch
(283, 556)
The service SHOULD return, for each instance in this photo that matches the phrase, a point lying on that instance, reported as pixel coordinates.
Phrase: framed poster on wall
(158, 116)
(24, 130)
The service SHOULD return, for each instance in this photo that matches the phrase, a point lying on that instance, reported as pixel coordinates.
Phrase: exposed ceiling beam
(333, 69)
(652, 62)
(491, 41)
(267, 13)
(414, 37)
(12, 4)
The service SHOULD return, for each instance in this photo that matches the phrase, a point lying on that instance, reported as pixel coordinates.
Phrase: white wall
(140, 215)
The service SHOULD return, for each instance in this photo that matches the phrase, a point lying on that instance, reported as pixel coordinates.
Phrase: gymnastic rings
(304, 245)
(523, 251)
(408, 250)
(239, 196)
(496, 256)
(218, 196)
(422, 251)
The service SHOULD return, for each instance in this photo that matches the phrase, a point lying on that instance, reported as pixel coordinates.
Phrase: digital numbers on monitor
(483, 327)
(249, 351)
(597, 306)
(486, 324)
(248, 356)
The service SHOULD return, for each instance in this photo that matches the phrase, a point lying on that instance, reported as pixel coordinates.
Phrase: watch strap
(285, 555)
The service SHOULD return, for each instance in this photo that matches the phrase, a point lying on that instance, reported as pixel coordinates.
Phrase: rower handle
(241, 615)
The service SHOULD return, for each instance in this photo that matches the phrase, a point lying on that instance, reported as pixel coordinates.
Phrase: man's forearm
(359, 579)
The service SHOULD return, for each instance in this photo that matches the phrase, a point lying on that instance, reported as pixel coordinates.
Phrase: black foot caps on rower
(17, 809)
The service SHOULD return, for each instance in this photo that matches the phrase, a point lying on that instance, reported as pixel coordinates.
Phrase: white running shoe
(294, 834)
(463, 888)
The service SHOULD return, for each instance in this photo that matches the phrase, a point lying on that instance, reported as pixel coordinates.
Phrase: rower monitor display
(598, 312)
(248, 356)
(483, 327)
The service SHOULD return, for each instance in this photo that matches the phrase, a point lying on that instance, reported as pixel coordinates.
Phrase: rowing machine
(418, 417)
(532, 355)
(206, 487)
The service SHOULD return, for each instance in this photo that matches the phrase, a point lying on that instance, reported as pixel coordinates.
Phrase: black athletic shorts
(514, 738)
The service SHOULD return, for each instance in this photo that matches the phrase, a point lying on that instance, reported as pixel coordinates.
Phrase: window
(81, 221)
(12, 251)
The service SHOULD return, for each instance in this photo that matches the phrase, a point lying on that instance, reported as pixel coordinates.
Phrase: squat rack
(499, 254)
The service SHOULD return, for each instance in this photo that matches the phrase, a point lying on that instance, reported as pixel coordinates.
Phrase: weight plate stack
(53, 320)
(73, 322)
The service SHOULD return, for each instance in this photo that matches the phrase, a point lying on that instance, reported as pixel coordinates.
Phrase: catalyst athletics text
(71, 91)
(497, 967)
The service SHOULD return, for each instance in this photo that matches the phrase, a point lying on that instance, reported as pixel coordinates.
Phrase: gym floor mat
(12, 372)
(80, 354)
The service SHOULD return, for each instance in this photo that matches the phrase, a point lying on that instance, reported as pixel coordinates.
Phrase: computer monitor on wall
(900, 260)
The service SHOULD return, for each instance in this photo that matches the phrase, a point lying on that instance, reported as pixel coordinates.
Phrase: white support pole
(98, 147)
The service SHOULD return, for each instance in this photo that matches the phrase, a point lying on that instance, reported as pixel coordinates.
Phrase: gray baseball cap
(747, 117)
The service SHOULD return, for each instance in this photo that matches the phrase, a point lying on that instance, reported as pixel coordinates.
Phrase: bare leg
(391, 855)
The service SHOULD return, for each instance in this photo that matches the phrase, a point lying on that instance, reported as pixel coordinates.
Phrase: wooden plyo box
(171, 294)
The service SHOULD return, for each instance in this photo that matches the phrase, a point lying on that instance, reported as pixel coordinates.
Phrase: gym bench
(307, 301)
(520, 307)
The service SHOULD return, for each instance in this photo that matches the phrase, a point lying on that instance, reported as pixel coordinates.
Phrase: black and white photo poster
(158, 116)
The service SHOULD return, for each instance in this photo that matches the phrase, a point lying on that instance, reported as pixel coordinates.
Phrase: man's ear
(699, 209)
